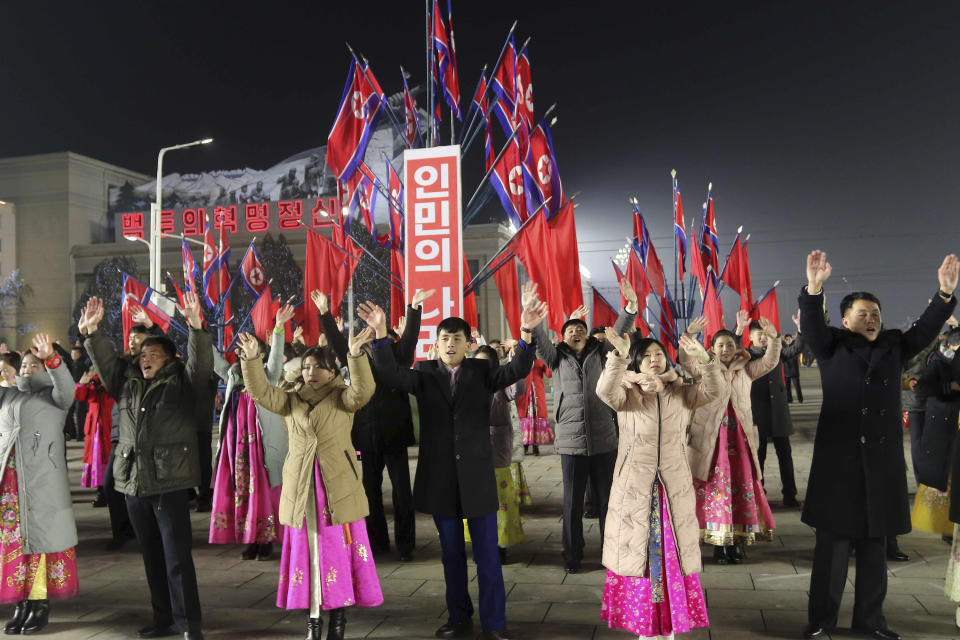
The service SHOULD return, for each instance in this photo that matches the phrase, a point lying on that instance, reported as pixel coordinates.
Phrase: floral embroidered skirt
(509, 523)
(931, 511)
(731, 504)
(347, 574)
(520, 481)
(31, 576)
(952, 586)
(664, 602)
(244, 506)
(535, 431)
(96, 451)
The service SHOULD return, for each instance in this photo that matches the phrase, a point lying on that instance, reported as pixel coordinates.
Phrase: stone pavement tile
(420, 571)
(718, 580)
(785, 623)
(605, 633)
(921, 568)
(436, 589)
(392, 586)
(591, 575)
(750, 599)
(914, 624)
(528, 612)
(556, 593)
(551, 631)
(781, 581)
(537, 575)
(407, 628)
(937, 605)
(912, 585)
(572, 613)
(739, 634)
(740, 619)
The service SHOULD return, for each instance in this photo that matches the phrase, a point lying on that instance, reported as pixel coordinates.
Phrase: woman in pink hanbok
(326, 562)
(651, 548)
(732, 507)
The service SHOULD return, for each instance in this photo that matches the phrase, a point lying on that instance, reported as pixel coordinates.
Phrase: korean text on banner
(434, 245)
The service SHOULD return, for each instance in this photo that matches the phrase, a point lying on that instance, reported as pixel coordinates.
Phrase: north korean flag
(543, 164)
(353, 125)
(679, 230)
(210, 267)
(504, 84)
(648, 254)
(190, 268)
(396, 207)
(251, 269)
(507, 180)
(523, 108)
(446, 62)
(709, 241)
(411, 117)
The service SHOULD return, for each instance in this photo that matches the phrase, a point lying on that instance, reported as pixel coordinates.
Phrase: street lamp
(155, 208)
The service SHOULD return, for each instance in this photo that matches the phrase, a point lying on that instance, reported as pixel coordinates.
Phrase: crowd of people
(669, 454)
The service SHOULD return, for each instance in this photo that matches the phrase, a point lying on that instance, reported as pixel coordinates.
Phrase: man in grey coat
(586, 427)
(157, 462)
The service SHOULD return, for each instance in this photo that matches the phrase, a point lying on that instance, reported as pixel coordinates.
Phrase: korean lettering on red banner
(434, 247)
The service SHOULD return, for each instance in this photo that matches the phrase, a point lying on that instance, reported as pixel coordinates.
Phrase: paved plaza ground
(766, 597)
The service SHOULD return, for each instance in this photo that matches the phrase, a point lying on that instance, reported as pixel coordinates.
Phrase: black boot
(250, 553)
(314, 629)
(338, 624)
(720, 555)
(13, 627)
(37, 617)
(264, 551)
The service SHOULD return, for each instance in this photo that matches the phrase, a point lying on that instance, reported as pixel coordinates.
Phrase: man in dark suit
(857, 493)
(455, 478)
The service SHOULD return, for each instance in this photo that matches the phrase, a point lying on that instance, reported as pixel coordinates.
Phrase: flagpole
(486, 176)
(493, 271)
(398, 282)
(471, 113)
(383, 96)
(729, 253)
(503, 50)
(676, 254)
(429, 76)
(416, 117)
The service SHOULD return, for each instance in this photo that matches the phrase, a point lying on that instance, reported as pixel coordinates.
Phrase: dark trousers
(493, 597)
(205, 449)
(785, 457)
(116, 505)
(163, 530)
(915, 424)
(404, 525)
(795, 381)
(575, 471)
(831, 556)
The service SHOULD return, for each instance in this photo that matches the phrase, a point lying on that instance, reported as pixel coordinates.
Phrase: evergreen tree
(107, 284)
(13, 293)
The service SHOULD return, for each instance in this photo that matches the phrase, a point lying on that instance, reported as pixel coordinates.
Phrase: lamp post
(155, 209)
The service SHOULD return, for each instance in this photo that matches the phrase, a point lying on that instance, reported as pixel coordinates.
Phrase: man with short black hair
(157, 462)
(857, 492)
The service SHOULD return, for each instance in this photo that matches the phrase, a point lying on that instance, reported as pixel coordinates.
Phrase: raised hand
(92, 314)
(528, 294)
(298, 335)
(249, 345)
(356, 341)
(401, 325)
(285, 314)
(579, 312)
(420, 296)
(651, 383)
(743, 321)
(952, 322)
(374, 316)
(191, 309)
(139, 315)
(626, 290)
(320, 300)
(339, 323)
(86, 377)
(531, 318)
(620, 343)
(768, 328)
(697, 326)
(42, 346)
(947, 274)
(818, 270)
(796, 319)
(694, 349)
(432, 353)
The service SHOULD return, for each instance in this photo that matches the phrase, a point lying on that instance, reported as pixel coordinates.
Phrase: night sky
(821, 125)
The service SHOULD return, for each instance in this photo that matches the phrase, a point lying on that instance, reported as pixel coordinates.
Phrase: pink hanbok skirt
(731, 505)
(664, 602)
(534, 429)
(93, 472)
(244, 506)
(347, 572)
(33, 576)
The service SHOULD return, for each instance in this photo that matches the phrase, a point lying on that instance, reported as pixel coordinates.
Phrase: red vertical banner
(433, 242)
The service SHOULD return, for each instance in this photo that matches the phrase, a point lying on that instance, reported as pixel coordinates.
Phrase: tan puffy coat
(738, 377)
(318, 423)
(652, 442)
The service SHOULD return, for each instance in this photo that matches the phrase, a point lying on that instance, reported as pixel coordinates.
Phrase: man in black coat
(857, 493)
(791, 365)
(455, 478)
(768, 398)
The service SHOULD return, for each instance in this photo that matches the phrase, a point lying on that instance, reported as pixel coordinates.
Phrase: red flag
(533, 247)
(176, 290)
(641, 294)
(411, 116)
(138, 295)
(736, 273)
(395, 208)
(543, 166)
(604, 315)
(264, 314)
(508, 286)
(767, 307)
(469, 301)
(712, 311)
(446, 57)
(503, 81)
(679, 230)
(563, 235)
(666, 320)
(709, 242)
(223, 286)
(697, 267)
(648, 254)
(190, 268)
(328, 269)
(352, 127)
(397, 305)
(210, 271)
(251, 270)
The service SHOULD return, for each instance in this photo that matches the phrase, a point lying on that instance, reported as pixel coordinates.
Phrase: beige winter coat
(318, 423)
(738, 377)
(652, 443)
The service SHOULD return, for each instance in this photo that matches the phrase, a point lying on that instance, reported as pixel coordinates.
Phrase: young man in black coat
(455, 478)
(857, 493)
